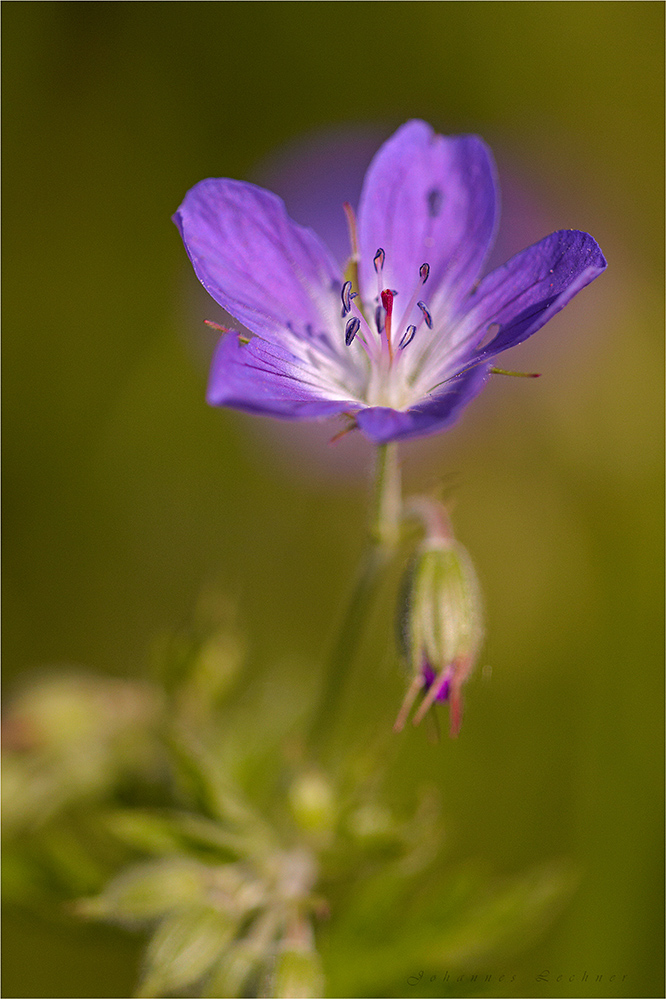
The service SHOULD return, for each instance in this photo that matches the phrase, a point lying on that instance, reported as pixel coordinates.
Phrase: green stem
(387, 503)
(382, 540)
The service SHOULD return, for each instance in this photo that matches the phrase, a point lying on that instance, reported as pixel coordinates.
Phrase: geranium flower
(402, 340)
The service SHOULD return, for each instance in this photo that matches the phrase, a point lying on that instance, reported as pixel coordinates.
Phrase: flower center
(380, 339)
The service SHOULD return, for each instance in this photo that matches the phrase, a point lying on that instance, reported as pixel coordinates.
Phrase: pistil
(387, 302)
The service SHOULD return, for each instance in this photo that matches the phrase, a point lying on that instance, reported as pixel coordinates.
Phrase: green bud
(72, 737)
(312, 803)
(297, 971)
(244, 962)
(441, 625)
(297, 975)
(183, 949)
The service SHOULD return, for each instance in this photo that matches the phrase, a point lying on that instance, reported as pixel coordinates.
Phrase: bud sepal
(441, 621)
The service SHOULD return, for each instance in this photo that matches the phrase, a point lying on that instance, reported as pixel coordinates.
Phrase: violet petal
(260, 377)
(532, 287)
(382, 425)
(269, 273)
(428, 198)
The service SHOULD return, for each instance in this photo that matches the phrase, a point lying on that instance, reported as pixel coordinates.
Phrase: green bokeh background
(125, 495)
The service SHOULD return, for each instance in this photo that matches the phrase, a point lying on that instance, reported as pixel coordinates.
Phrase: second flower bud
(441, 623)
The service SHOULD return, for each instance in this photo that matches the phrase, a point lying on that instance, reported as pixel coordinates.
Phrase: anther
(426, 314)
(345, 295)
(407, 337)
(378, 260)
(351, 329)
(424, 274)
(380, 319)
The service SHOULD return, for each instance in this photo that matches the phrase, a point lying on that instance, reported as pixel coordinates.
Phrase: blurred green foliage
(125, 495)
(328, 891)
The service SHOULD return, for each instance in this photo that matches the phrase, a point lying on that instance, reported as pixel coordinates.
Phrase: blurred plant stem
(386, 511)
(383, 537)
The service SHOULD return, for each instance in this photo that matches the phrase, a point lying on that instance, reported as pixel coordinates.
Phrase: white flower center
(391, 346)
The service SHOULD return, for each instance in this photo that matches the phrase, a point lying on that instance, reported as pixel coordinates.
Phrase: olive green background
(124, 495)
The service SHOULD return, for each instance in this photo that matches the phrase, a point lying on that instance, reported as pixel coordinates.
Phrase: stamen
(351, 329)
(352, 425)
(426, 314)
(411, 695)
(516, 374)
(365, 336)
(345, 295)
(424, 274)
(439, 685)
(351, 225)
(380, 319)
(407, 337)
(216, 326)
(378, 263)
(242, 338)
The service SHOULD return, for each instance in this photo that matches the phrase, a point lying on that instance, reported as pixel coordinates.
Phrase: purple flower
(402, 340)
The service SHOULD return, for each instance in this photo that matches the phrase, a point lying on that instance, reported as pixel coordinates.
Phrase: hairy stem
(383, 535)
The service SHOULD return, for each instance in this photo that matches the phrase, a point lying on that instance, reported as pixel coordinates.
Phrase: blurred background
(125, 495)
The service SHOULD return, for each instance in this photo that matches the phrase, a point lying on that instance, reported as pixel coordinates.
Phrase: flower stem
(387, 502)
(383, 536)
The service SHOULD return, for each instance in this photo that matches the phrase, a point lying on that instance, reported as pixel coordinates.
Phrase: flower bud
(297, 973)
(312, 803)
(441, 626)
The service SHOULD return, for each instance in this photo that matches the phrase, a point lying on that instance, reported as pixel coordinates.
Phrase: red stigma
(387, 302)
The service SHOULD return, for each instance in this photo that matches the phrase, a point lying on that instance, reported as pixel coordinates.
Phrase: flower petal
(532, 287)
(260, 377)
(269, 273)
(428, 198)
(382, 425)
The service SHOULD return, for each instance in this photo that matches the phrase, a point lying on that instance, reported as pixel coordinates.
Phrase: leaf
(243, 964)
(148, 891)
(200, 776)
(165, 831)
(445, 922)
(507, 918)
(183, 950)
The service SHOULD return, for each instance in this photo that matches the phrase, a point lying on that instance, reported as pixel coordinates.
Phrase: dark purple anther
(351, 329)
(380, 319)
(378, 259)
(426, 314)
(407, 337)
(424, 272)
(345, 295)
